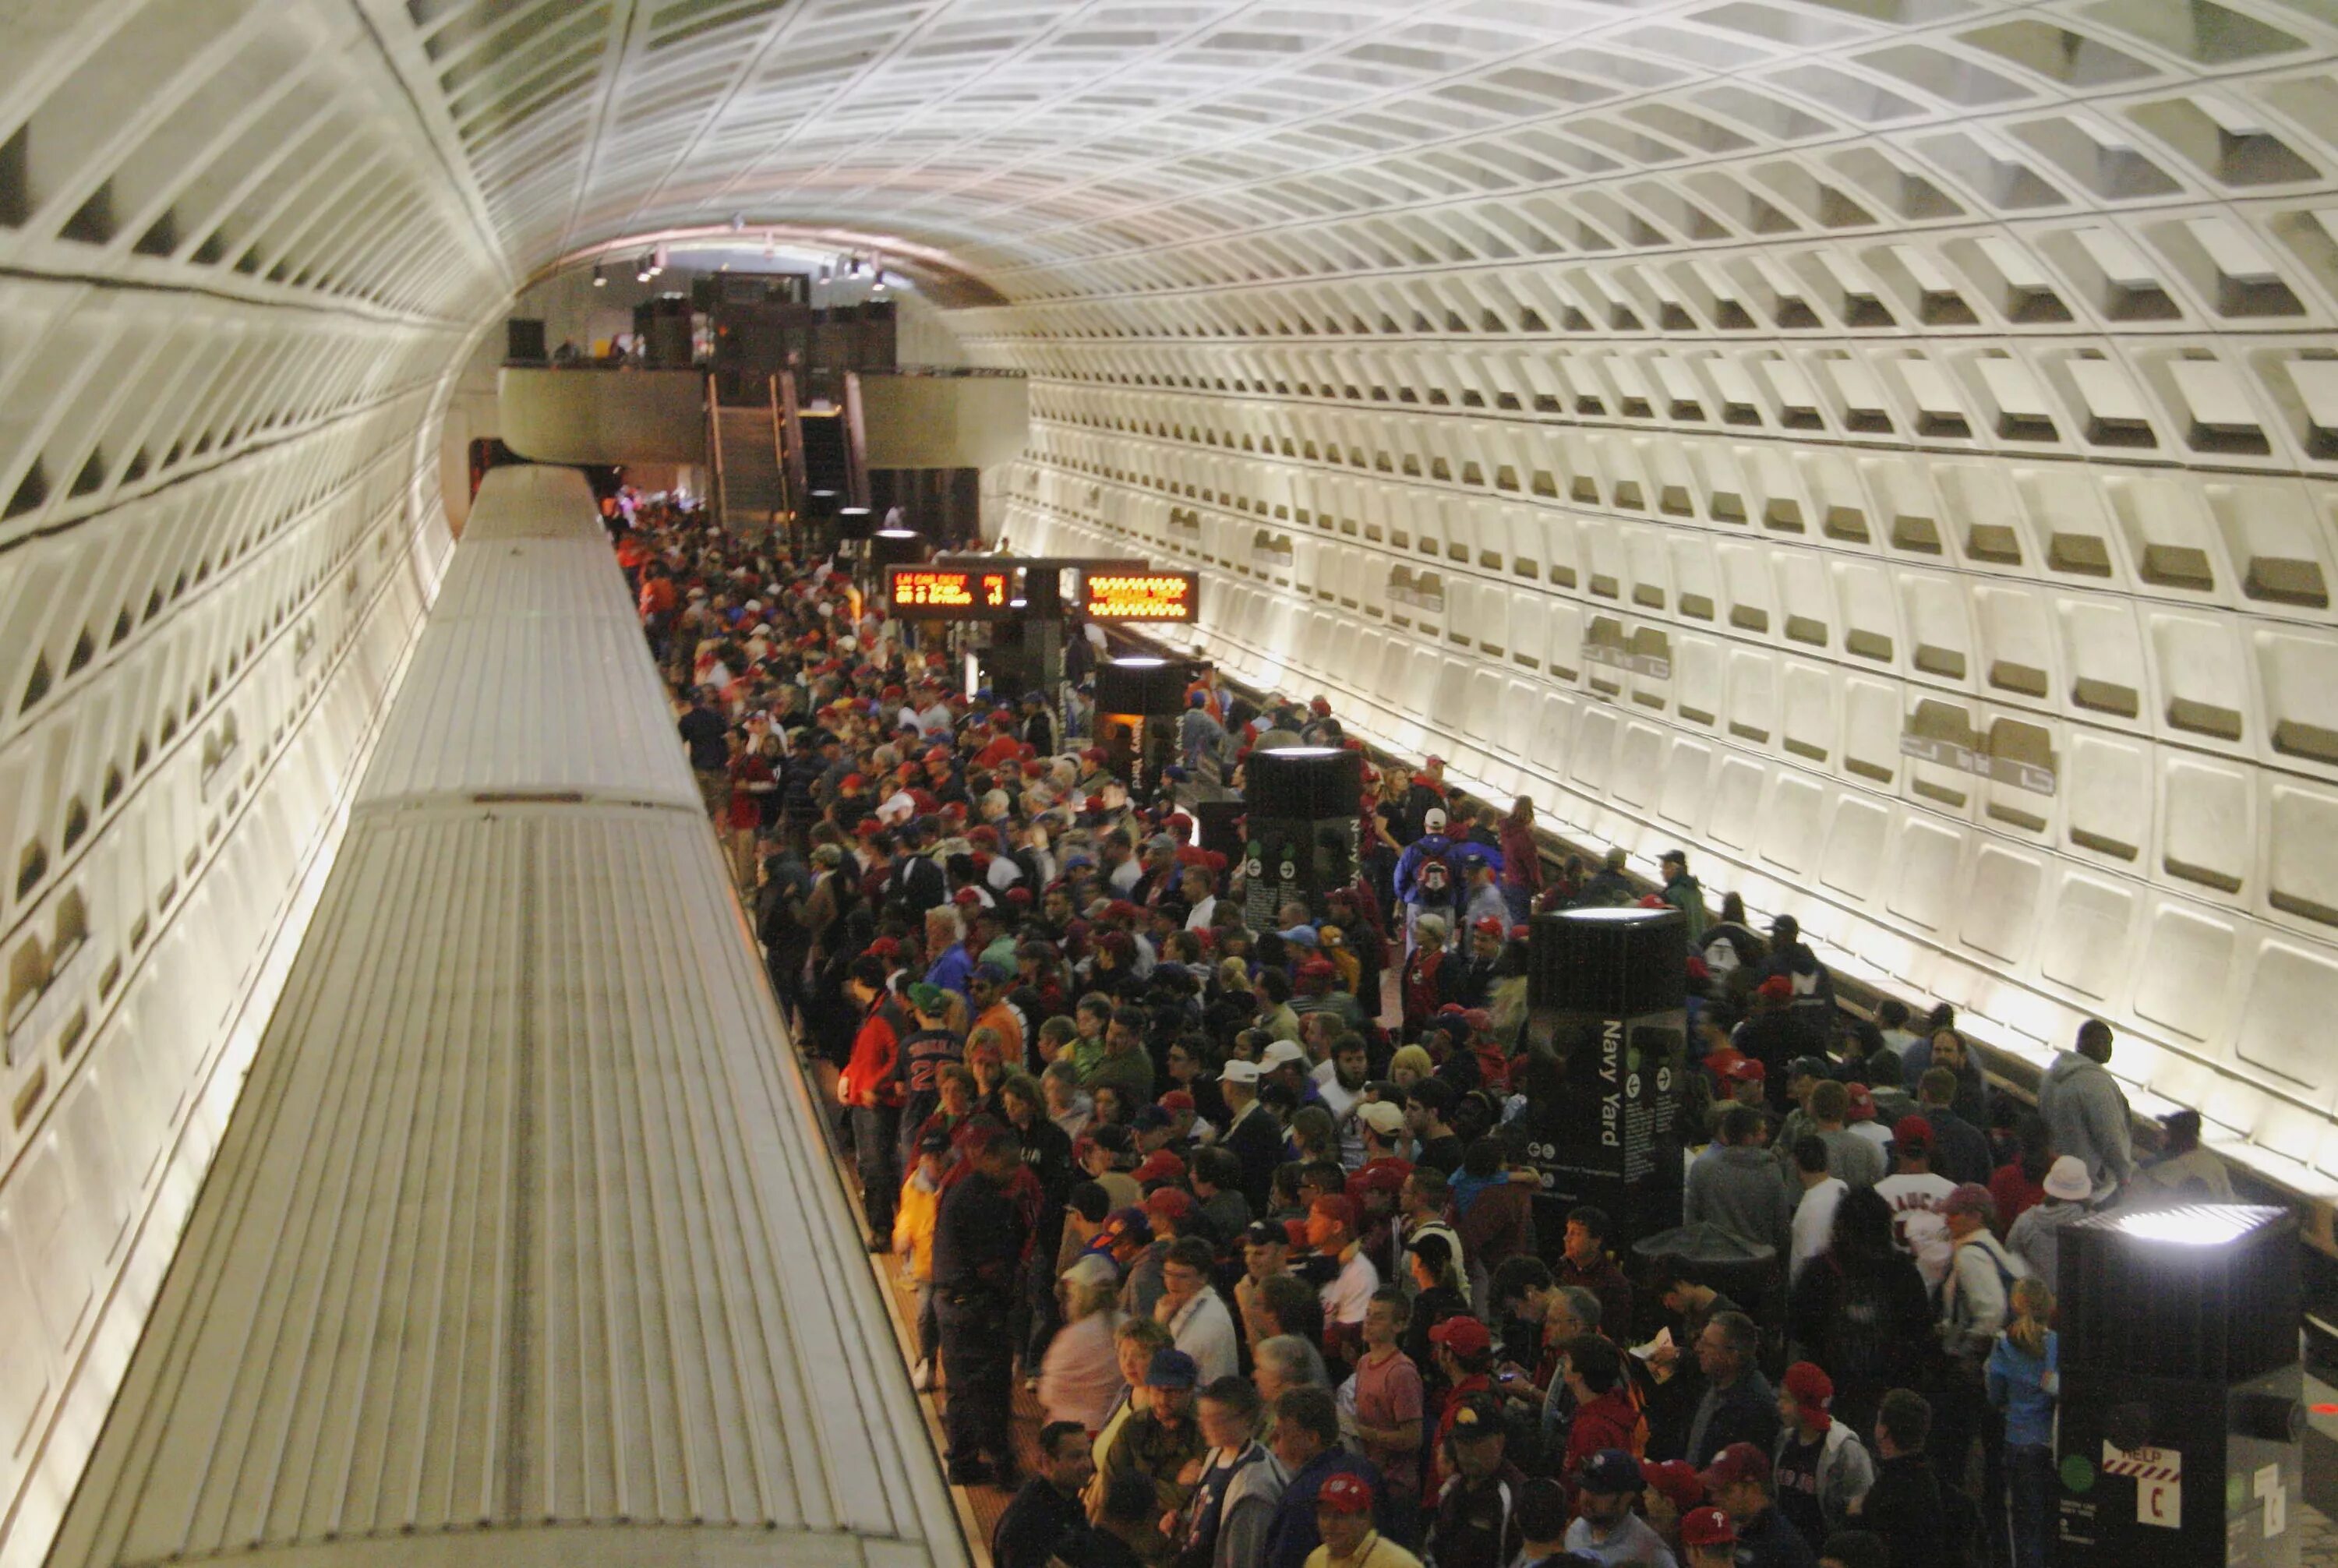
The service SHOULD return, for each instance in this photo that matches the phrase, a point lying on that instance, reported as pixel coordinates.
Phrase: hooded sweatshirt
(2087, 1115)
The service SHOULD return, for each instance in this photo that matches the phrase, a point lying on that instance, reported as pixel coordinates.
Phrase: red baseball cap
(1809, 1386)
(1738, 1462)
(1676, 1479)
(1912, 1132)
(1707, 1527)
(1336, 1206)
(1862, 1103)
(1158, 1166)
(1463, 1336)
(1345, 1493)
(1487, 925)
(1746, 1069)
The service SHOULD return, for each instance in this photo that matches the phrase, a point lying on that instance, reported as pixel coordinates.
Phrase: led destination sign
(1139, 595)
(945, 592)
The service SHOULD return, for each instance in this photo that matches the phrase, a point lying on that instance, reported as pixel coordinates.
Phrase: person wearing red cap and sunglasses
(1344, 1518)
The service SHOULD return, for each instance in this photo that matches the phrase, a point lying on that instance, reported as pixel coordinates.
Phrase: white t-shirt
(1341, 1103)
(1813, 1223)
(1350, 1292)
(1204, 913)
(1916, 1220)
(1204, 1329)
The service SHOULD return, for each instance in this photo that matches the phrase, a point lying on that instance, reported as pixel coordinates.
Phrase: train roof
(525, 1225)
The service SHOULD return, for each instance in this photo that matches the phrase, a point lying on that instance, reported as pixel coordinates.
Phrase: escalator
(750, 488)
(828, 456)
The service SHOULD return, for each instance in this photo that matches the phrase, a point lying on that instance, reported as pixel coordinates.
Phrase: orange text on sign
(1147, 596)
(949, 590)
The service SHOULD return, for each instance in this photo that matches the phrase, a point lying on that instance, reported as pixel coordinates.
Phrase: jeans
(2030, 1492)
(873, 1132)
(929, 1327)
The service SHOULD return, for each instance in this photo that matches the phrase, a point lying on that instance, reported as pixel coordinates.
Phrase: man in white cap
(1285, 1062)
(2035, 1236)
(1251, 1131)
(1381, 1122)
(1425, 874)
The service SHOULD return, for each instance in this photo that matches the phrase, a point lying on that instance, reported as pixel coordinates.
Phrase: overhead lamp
(600, 278)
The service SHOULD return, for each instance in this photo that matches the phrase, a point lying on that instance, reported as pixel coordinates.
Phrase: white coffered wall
(1679, 411)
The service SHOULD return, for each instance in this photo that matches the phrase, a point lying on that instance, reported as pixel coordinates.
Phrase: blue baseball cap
(1172, 1368)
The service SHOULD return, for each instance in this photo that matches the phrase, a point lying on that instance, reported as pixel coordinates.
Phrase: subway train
(523, 1244)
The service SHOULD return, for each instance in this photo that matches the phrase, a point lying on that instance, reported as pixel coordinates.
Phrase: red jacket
(874, 1048)
(1610, 1421)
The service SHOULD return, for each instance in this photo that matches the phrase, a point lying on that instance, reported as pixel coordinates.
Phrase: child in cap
(913, 1242)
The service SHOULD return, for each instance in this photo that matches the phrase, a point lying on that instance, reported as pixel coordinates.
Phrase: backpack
(1432, 880)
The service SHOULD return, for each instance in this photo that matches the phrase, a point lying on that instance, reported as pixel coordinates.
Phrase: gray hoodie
(2087, 1115)
(1738, 1189)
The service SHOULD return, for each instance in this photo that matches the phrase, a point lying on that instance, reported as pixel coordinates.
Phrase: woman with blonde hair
(1410, 1065)
(2025, 1383)
(1079, 1377)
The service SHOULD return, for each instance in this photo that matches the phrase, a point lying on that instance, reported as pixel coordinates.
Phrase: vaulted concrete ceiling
(1884, 446)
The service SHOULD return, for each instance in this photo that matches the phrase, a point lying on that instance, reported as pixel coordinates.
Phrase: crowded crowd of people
(1239, 1197)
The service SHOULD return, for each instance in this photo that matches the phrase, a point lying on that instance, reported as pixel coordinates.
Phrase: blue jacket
(2024, 1388)
(1433, 846)
(953, 970)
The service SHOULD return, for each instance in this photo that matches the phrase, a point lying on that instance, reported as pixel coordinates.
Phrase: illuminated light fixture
(600, 278)
(2198, 1226)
